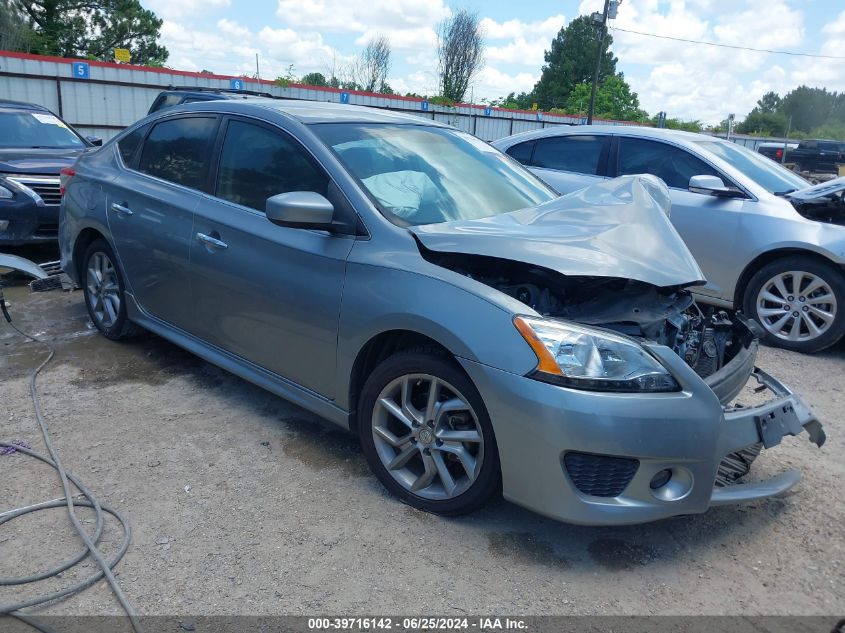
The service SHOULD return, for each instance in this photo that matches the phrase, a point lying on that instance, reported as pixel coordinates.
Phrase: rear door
(570, 162)
(267, 293)
(707, 224)
(151, 211)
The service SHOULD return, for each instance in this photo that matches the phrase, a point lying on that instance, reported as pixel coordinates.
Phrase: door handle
(121, 209)
(212, 242)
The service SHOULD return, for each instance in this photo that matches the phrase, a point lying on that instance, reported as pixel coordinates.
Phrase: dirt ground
(241, 503)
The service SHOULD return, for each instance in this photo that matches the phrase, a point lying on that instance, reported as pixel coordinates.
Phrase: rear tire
(436, 454)
(800, 303)
(104, 288)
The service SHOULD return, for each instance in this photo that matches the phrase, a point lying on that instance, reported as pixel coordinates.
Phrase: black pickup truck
(817, 155)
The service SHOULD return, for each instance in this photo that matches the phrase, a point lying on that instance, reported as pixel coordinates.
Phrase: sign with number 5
(80, 70)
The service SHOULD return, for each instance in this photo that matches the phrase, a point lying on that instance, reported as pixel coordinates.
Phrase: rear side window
(579, 154)
(129, 144)
(178, 149)
(674, 165)
(257, 163)
(521, 152)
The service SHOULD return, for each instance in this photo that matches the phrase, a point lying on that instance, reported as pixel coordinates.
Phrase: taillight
(779, 154)
(64, 178)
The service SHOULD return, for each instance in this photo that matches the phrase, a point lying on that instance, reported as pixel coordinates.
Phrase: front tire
(426, 434)
(800, 302)
(104, 290)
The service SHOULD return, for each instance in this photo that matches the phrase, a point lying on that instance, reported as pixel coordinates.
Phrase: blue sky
(687, 80)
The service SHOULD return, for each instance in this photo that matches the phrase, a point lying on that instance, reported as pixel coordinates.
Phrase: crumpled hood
(818, 191)
(37, 161)
(616, 228)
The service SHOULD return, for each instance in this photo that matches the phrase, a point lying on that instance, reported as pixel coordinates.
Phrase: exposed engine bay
(823, 203)
(705, 339)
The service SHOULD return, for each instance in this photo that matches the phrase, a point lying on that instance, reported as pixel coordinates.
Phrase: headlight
(587, 358)
(5, 193)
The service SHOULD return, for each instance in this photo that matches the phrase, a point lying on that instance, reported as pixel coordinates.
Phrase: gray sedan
(767, 244)
(414, 285)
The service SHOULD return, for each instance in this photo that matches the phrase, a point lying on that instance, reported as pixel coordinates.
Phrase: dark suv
(177, 95)
(818, 155)
(35, 145)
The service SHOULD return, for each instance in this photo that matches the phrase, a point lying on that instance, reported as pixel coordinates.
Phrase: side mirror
(94, 140)
(712, 186)
(300, 210)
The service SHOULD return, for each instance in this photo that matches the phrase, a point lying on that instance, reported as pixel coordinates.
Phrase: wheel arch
(768, 257)
(83, 240)
(378, 348)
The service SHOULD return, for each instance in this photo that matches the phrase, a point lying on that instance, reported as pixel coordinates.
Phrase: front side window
(178, 149)
(579, 154)
(257, 163)
(418, 174)
(675, 166)
(36, 129)
(766, 173)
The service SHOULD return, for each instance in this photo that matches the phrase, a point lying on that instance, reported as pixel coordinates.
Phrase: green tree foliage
(571, 61)
(314, 79)
(806, 112)
(93, 28)
(614, 100)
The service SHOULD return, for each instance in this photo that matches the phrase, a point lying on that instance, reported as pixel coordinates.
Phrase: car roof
(21, 105)
(308, 112)
(627, 130)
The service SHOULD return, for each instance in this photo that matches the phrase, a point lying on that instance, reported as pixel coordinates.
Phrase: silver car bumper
(623, 444)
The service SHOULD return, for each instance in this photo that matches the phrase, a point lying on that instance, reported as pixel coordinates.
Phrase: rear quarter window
(128, 145)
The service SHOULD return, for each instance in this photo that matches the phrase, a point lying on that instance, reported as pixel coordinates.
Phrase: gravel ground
(241, 503)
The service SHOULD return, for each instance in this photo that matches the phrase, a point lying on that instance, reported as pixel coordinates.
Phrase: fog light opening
(660, 479)
(671, 484)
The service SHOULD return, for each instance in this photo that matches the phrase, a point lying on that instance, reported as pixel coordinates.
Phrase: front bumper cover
(688, 432)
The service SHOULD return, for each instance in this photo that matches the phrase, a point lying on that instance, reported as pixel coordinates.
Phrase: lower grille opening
(600, 475)
(47, 229)
(736, 465)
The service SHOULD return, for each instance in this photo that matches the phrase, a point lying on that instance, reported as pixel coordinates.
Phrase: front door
(707, 224)
(267, 293)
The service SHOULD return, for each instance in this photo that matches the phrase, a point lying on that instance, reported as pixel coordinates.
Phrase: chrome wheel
(427, 436)
(796, 306)
(102, 289)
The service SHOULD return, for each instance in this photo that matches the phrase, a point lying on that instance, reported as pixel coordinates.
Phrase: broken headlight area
(824, 202)
(720, 348)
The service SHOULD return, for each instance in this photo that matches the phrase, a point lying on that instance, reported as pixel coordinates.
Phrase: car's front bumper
(28, 223)
(687, 433)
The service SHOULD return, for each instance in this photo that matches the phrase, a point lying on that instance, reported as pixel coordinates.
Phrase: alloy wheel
(103, 290)
(796, 306)
(427, 436)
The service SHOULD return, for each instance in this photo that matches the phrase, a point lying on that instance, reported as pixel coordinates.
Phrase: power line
(740, 48)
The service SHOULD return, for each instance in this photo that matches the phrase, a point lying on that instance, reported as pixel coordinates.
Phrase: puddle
(525, 547)
(618, 555)
(321, 448)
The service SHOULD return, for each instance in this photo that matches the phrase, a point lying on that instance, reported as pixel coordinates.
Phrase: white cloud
(493, 83)
(351, 17)
(184, 8)
(512, 29)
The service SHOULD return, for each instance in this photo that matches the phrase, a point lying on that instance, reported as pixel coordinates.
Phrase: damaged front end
(641, 271)
(824, 202)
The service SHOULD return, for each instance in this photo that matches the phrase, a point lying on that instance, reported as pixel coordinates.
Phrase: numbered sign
(344, 97)
(80, 70)
(424, 106)
(236, 84)
(488, 111)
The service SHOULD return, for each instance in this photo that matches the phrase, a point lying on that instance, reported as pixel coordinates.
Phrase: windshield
(425, 175)
(764, 171)
(32, 129)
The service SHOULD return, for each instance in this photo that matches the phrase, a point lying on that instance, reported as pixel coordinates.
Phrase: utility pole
(257, 74)
(609, 12)
(786, 140)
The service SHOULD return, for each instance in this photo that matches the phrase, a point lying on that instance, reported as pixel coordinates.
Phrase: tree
(808, 107)
(763, 123)
(15, 33)
(374, 64)
(460, 53)
(314, 79)
(614, 100)
(93, 28)
(769, 103)
(571, 61)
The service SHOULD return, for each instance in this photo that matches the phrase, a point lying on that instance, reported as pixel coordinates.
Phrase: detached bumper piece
(749, 430)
